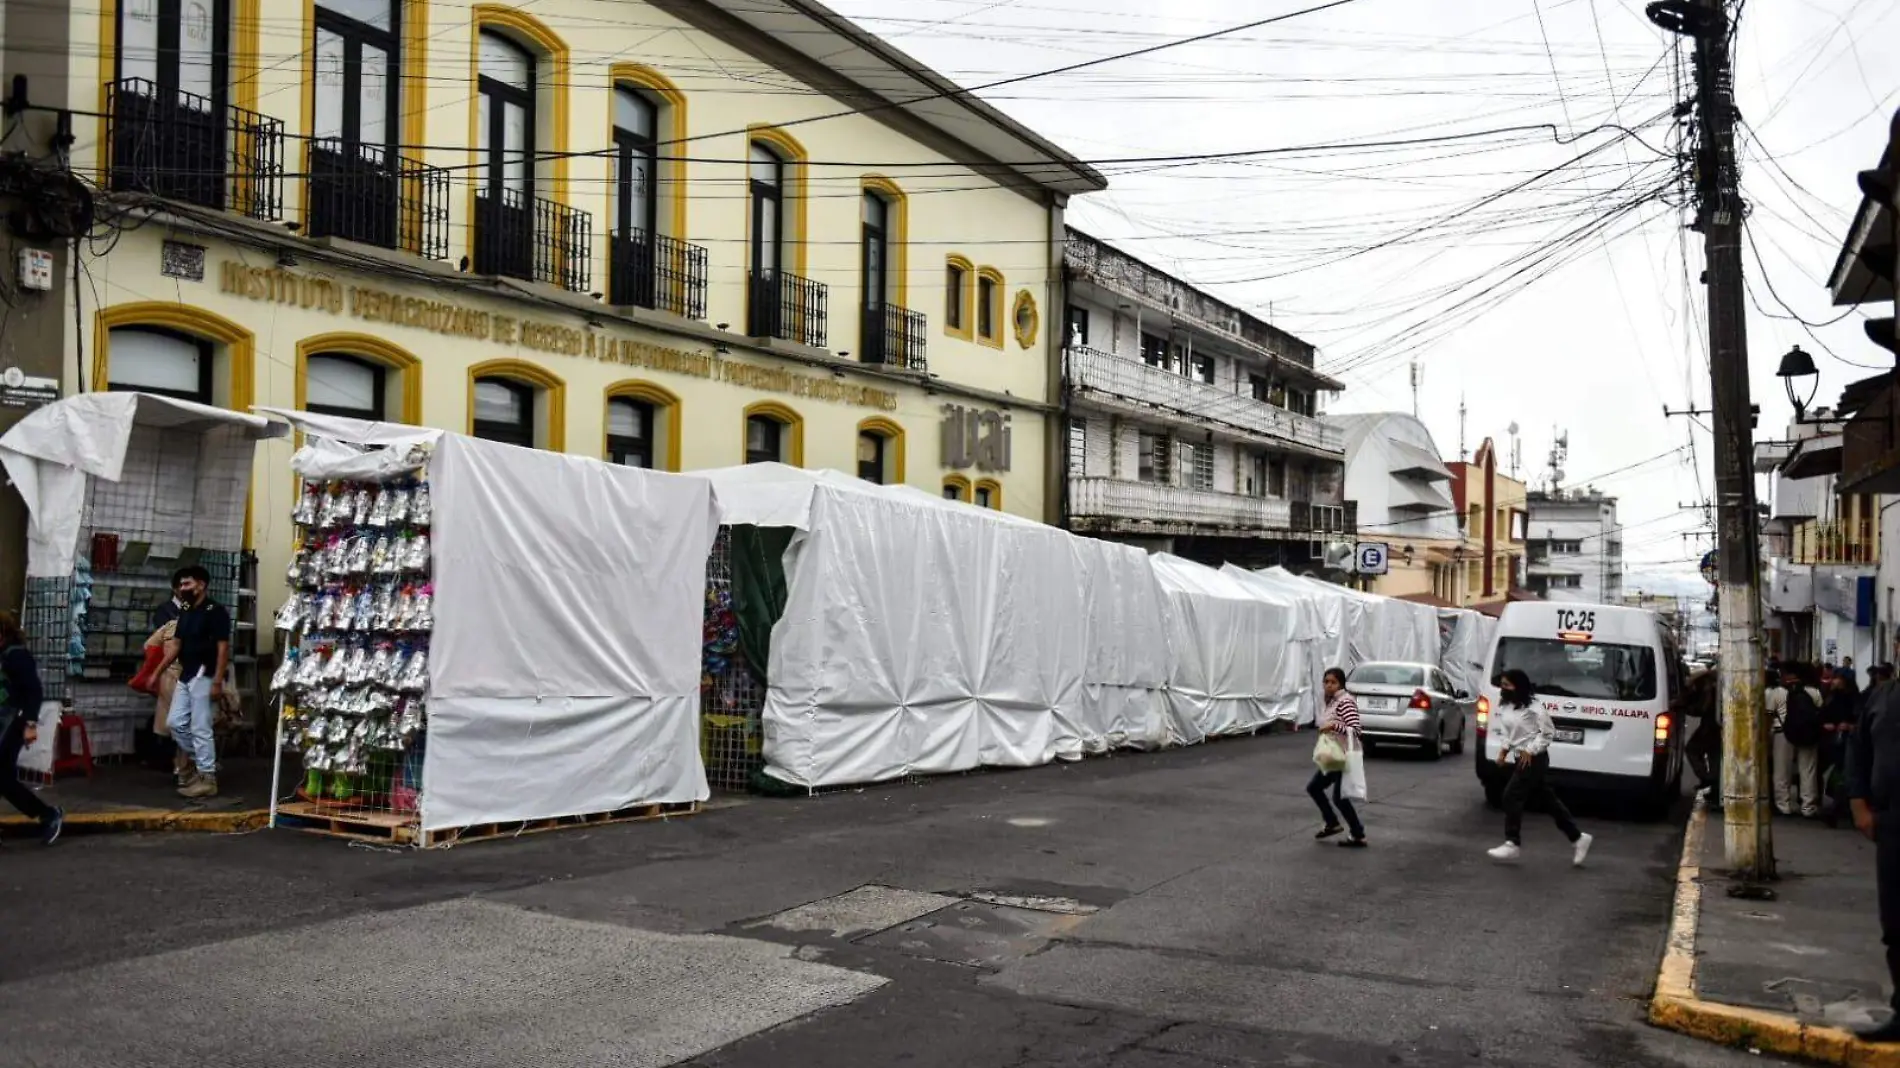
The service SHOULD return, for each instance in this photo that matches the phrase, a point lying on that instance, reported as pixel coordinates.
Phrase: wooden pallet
(402, 829)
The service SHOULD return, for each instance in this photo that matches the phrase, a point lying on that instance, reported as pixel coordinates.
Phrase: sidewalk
(1790, 975)
(131, 797)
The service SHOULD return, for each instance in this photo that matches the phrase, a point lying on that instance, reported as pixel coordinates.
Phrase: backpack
(1802, 725)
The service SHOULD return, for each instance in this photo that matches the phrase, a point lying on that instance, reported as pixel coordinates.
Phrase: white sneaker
(1506, 852)
(1583, 850)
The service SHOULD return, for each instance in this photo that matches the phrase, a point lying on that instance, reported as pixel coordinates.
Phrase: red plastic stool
(65, 760)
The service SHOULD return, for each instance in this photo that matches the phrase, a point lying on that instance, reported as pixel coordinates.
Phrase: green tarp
(758, 590)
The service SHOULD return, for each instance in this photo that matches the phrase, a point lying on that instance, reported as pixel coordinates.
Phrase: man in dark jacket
(1873, 788)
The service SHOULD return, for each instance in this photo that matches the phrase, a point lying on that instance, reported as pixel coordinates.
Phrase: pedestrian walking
(1847, 669)
(1524, 734)
(1700, 701)
(202, 649)
(1839, 713)
(20, 710)
(1797, 744)
(1339, 729)
(1873, 785)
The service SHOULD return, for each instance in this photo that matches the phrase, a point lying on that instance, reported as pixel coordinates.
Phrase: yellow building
(1493, 511)
(675, 233)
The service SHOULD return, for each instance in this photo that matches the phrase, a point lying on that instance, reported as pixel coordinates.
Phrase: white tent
(53, 453)
(569, 599)
(924, 636)
(1240, 651)
(1467, 646)
(1321, 620)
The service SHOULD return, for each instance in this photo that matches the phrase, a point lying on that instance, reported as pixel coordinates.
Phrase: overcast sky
(1561, 306)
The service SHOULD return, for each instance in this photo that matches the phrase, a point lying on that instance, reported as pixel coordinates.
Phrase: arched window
(989, 307)
(956, 488)
(774, 434)
(989, 494)
(354, 180)
(166, 362)
(339, 384)
(505, 142)
(504, 411)
(767, 184)
(636, 197)
(630, 432)
(881, 451)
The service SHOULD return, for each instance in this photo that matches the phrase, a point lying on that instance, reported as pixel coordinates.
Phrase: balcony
(522, 236)
(183, 146)
(893, 336)
(1119, 504)
(658, 272)
(1837, 543)
(787, 307)
(1133, 383)
(363, 193)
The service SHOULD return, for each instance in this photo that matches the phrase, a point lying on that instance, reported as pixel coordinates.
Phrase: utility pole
(1747, 833)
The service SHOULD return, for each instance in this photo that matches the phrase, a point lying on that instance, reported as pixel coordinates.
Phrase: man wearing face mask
(203, 654)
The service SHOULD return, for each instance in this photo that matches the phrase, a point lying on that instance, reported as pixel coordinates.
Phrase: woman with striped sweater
(1340, 718)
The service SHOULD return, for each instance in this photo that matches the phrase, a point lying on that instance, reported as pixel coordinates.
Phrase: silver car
(1410, 704)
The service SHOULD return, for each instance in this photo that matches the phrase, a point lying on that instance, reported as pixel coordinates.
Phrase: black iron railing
(652, 271)
(183, 146)
(786, 306)
(893, 336)
(362, 193)
(527, 237)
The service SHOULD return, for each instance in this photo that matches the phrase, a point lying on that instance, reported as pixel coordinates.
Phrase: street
(1137, 911)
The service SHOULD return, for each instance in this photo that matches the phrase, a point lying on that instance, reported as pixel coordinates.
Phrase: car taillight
(1421, 701)
(1484, 712)
(1662, 728)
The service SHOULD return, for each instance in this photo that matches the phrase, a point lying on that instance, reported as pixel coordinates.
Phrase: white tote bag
(1353, 785)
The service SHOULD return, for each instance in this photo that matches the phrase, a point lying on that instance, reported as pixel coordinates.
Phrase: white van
(1606, 675)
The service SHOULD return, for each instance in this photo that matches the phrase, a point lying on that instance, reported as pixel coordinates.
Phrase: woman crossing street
(1339, 729)
(1524, 734)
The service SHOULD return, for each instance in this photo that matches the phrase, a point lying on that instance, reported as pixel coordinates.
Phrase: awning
(1815, 457)
(1412, 460)
(1407, 494)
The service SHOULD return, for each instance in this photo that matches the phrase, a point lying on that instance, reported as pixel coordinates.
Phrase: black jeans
(1887, 890)
(1528, 784)
(15, 791)
(1316, 789)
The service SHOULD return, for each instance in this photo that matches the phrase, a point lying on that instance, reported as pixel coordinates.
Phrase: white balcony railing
(1115, 498)
(1134, 381)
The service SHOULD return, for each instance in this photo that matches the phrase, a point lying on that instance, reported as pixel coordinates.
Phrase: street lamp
(1798, 364)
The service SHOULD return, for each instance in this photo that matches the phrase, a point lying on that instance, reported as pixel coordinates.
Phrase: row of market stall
(483, 635)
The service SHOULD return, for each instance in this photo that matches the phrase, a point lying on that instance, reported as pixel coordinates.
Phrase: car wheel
(1458, 743)
(1436, 748)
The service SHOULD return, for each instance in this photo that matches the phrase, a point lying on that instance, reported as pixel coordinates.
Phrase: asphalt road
(1154, 911)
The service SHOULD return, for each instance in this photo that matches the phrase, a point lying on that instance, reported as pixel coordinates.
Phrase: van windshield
(1579, 669)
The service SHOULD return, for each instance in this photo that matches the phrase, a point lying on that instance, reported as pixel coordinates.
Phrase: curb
(1675, 1006)
(138, 820)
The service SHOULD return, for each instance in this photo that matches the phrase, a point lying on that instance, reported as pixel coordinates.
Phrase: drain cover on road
(976, 933)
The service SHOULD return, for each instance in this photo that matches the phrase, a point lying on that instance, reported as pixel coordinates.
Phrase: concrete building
(1820, 550)
(1403, 493)
(537, 225)
(1193, 426)
(1492, 511)
(1574, 550)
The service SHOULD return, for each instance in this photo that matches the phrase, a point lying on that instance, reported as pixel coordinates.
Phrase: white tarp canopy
(50, 455)
(1321, 619)
(569, 599)
(1467, 645)
(925, 636)
(1241, 651)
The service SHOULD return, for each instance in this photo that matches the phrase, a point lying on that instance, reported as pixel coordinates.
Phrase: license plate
(1380, 702)
(1571, 737)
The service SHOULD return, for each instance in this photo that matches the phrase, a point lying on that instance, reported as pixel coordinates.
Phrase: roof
(1855, 278)
(1495, 609)
(1427, 598)
(896, 82)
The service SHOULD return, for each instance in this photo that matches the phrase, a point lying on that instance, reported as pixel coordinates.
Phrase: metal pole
(1747, 832)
